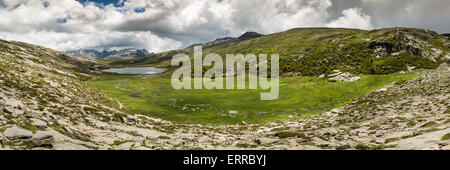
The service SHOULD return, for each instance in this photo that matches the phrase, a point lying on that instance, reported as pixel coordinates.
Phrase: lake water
(136, 70)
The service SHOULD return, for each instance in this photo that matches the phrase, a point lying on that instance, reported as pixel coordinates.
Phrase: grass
(446, 137)
(28, 126)
(429, 124)
(374, 127)
(362, 147)
(299, 96)
(119, 142)
(163, 137)
(245, 145)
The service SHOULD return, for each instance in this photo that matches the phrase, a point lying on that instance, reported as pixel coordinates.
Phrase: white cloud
(427, 14)
(352, 18)
(98, 40)
(172, 24)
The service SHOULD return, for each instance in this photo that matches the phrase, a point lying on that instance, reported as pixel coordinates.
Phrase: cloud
(352, 18)
(160, 25)
(96, 40)
(429, 14)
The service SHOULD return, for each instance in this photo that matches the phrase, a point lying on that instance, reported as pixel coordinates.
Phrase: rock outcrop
(343, 76)
(41, 138)
(15, 132)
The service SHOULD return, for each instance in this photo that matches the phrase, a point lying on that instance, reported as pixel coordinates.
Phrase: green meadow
(298, 97)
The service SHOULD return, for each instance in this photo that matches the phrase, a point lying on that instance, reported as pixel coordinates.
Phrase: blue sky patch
(116, 3)
(139, 10)
(61, 20)
(46, 4)
(2, 5)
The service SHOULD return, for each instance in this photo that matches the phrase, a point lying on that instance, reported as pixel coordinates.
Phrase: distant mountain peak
(229, 40)
(127, 53)
(249, 35)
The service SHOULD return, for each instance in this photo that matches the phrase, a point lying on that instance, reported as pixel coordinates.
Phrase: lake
(135, 70)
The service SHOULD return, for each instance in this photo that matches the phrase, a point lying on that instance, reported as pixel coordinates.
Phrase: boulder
(380, 141)
(130, 119)
(8, 109)
(39, 123)
(15, 104)
(11, 110)
(362, 134)
(41, 138)
(320, 142)
(15, 132)
(337, 110)
(340, 76)
(233, 112)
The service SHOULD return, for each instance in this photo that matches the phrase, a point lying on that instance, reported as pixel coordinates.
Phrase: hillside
(45, 104)
(316, 51)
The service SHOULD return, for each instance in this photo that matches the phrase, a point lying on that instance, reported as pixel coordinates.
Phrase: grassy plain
(298, 97)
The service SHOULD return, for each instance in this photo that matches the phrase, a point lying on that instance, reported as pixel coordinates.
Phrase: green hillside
(315, 51)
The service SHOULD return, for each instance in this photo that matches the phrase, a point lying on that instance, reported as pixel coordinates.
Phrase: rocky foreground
(44, 104)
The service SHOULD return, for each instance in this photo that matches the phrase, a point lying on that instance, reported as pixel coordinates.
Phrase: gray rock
(446, 58)
(8, 109)
(380, 141)
(130, 119)
(362, 134)
(233, 112)
(3, 139)
(39, 123)
(243, 123)
(15, 132)
(337, 111)
(340, 76)
(320, 142)
(11, 110)
(41, 138)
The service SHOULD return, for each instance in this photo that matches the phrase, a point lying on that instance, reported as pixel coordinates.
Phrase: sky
(161, 25)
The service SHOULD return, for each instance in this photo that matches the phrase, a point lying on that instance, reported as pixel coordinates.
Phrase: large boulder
(39, 123)
(12, 110)
(42, 138)
(15, 132)
(340, 76)
(8, 109)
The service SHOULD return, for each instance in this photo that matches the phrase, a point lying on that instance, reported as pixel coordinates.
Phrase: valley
(299, 98)
(339, 89)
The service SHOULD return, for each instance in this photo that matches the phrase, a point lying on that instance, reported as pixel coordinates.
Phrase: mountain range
(128, 53)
